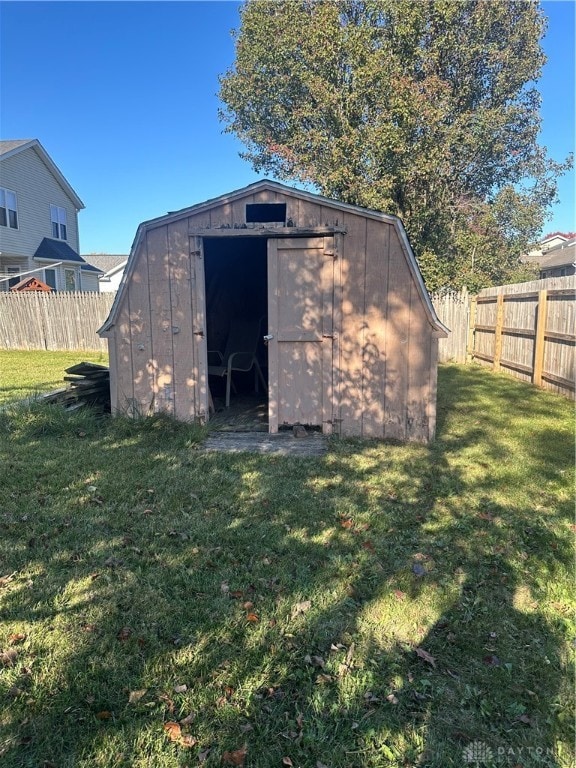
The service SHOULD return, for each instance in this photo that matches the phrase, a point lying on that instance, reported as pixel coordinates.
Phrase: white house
(112, 266)
(39, 221)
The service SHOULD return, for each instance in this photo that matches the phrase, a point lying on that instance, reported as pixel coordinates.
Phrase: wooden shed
(351, 336)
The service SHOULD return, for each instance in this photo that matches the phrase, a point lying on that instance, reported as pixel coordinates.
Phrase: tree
(421, 108)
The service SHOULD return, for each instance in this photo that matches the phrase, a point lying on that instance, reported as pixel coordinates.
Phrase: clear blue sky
(123, 96)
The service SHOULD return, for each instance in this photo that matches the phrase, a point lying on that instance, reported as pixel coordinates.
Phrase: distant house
(559, 261)
(39, 221)
(541, 250)
(112, 267)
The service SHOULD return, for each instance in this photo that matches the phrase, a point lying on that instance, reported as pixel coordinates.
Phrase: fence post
(471, 329)
(498, 332)
(541, 318)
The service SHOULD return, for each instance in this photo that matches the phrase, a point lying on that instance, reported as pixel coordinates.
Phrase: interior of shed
(236, 277)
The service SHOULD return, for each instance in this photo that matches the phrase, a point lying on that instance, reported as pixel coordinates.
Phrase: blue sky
(123, 96)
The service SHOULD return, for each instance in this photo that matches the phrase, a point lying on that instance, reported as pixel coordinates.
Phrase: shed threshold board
(283, 443)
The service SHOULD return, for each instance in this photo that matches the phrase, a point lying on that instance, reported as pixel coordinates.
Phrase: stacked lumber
(87, 384)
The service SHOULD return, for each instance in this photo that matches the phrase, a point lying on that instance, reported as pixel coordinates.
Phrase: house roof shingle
(58, 250)
(106, 261)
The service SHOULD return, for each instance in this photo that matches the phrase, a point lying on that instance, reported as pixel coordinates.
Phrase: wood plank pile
(88, 384)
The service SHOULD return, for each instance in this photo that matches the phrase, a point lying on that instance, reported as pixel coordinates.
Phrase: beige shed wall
(385, 355)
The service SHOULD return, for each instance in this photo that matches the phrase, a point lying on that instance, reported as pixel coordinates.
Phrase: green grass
(288, 605)
(24, 374)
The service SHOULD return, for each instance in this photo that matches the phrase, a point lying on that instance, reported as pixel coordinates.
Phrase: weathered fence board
(525, 329)
(453, 309)
(53, 321)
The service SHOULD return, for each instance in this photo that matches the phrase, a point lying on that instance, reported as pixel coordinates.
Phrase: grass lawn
(24, 374)
(383, 605)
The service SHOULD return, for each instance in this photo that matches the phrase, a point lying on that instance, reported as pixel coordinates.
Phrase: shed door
(300, 320)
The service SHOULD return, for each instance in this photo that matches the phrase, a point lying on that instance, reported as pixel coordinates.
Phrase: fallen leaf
(392, 699)
(5, 580)
(173, 731)
(188, 719)
(188, 741)
(323, 678)
(399, 594)
(180, 688)
(347, 522)
(224, 588)
(370, 697)
(287, 761)
(236, 593)
(299, 608)
(124, 634)
(15, 691)
(236, 757)
(16, 637)
(135, 696)
(7, 658)
(369, 546)
(248, 605)
(252, 617)
(426, 656)
(491, 660)
(104, 715)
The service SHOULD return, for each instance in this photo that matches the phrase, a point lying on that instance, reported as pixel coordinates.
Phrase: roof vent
(265, 213)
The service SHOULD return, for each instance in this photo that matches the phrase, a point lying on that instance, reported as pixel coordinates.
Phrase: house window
(8, 209)
(58, 217)
(50, 278)
(70, 279)
(13, 280)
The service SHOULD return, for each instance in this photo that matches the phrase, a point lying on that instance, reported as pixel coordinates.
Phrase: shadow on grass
(382, 606)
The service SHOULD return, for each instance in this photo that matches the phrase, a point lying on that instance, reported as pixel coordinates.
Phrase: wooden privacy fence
(53, 321)
(453, 309)
(525, 329)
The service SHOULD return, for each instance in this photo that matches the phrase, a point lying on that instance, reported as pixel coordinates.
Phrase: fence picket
(510, 329)
(53, 321)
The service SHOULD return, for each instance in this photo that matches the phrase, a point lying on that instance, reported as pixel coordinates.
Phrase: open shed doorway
(236, 276)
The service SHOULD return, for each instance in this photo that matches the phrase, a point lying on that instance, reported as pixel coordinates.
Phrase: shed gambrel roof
(273, 186)
(11, 147)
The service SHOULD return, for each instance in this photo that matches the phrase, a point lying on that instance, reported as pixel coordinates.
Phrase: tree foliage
(422, 108)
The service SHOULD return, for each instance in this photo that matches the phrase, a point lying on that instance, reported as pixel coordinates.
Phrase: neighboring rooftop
(105, 261)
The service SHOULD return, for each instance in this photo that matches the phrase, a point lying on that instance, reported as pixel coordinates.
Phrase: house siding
(36, 190)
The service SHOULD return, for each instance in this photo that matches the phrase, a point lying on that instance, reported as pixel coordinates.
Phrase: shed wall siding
(384, 378)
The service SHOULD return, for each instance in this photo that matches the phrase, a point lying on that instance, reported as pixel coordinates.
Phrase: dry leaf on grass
(124, 634)
(236, 757)
(426, 656)
(7, 658)
(15, 638)
(252, 617)
(174, 733)
(135, 696)
(299, 608)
